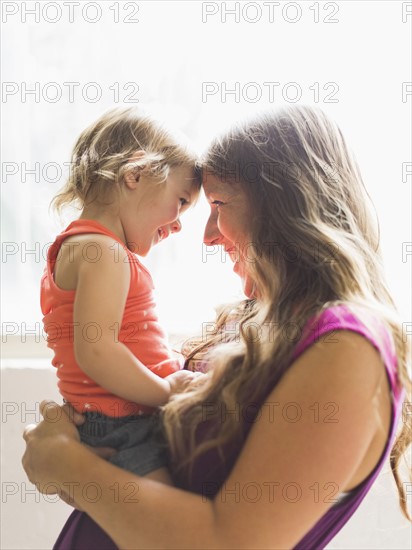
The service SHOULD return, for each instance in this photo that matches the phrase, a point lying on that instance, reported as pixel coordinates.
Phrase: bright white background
(163, 57)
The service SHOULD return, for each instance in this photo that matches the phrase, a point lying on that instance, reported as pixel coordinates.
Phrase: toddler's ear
(134, 166)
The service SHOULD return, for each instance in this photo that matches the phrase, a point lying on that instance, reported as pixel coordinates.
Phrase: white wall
(29, 520)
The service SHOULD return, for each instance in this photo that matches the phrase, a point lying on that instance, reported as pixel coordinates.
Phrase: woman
(277, 446)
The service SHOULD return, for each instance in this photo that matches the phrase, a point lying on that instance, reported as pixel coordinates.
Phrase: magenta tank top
(82, 533)
(340, 318)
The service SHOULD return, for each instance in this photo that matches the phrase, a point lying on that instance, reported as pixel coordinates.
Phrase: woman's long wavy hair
(316, 244)
(107, 148)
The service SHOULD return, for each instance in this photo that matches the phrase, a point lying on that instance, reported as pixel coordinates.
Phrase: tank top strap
(80, 227)
(342, 317)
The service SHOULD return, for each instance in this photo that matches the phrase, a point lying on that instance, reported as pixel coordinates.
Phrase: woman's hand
(76, 417)
(46, 443)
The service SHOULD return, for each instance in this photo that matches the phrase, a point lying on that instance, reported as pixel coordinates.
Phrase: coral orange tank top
(139, 330)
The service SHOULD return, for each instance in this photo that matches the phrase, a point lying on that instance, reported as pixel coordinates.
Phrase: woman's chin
(249, 287)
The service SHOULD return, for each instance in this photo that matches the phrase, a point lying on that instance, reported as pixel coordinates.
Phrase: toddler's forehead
(194, 192)
(195, 182)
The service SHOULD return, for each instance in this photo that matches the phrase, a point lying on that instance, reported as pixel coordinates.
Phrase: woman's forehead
(212, 185)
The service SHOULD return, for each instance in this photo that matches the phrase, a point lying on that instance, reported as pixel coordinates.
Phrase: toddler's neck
(109, 220)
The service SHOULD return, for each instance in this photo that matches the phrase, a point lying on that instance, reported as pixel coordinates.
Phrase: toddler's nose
(176, 226)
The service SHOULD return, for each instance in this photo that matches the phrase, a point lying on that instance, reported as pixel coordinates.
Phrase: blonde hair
(304, 189)
(106, 150)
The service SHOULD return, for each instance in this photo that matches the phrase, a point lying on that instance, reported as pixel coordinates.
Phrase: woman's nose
(212, 234)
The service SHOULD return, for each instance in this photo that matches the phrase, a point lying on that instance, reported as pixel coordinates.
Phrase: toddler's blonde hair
(107, 149)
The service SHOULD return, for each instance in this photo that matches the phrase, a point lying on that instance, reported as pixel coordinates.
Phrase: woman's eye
(217, 203)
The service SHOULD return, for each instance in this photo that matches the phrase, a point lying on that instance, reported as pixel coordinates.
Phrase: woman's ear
(134, 167)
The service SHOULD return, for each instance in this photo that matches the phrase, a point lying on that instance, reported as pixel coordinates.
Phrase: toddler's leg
(139, 450)
(162, 475)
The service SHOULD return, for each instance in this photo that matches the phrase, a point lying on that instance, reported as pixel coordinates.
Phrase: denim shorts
(139, 440)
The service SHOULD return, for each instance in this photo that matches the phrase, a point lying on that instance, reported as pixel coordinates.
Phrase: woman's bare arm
(282, 482)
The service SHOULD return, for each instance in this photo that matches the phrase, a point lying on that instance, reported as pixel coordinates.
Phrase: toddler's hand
(181, 379)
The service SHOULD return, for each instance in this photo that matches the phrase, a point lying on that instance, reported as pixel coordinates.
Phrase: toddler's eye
(183, 202)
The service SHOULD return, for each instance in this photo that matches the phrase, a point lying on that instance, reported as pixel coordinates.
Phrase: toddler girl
(132, 181)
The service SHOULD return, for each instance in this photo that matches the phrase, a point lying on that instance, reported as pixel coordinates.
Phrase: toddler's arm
(180, 379)
(101, 293)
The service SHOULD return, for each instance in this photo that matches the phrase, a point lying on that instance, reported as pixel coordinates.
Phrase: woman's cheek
(224, 227)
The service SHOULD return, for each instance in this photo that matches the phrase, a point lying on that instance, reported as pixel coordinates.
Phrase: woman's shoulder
(350, 317)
